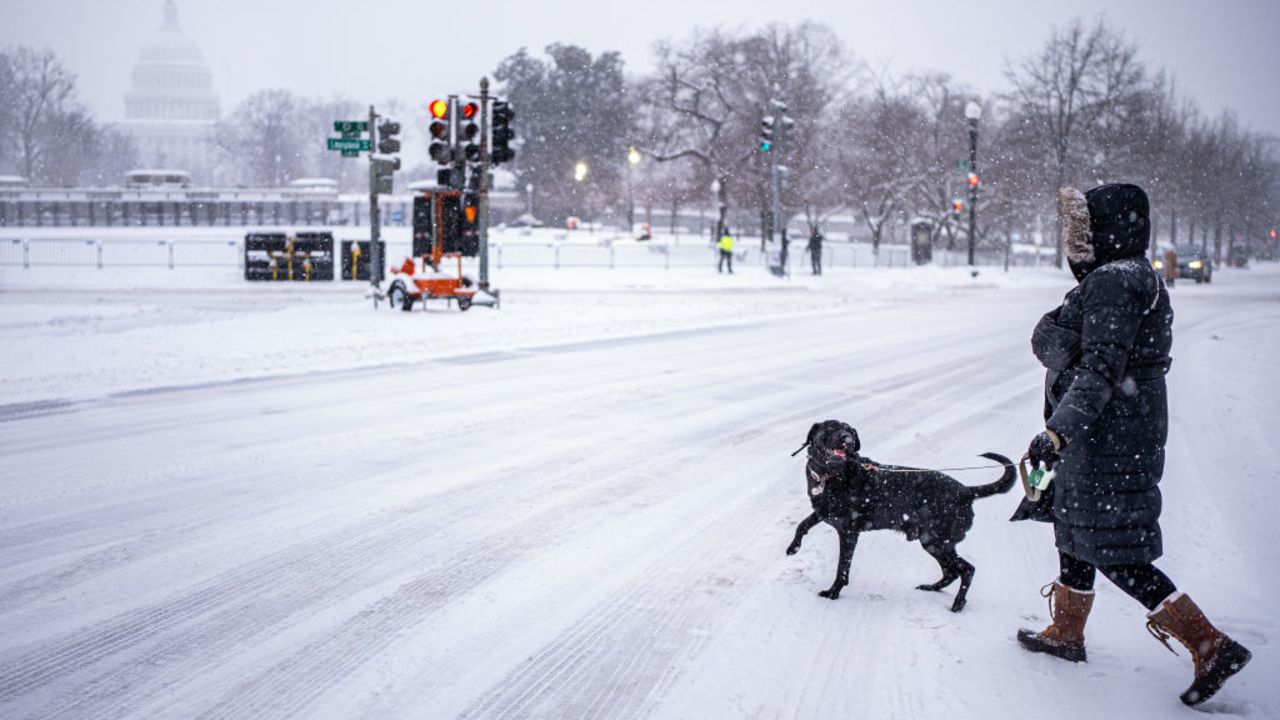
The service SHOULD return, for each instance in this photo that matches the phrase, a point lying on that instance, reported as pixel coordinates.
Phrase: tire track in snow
(239, 584)
(82, 651)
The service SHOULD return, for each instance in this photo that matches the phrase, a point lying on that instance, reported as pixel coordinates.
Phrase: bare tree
(266, 136)
(1070, 93)
(879, 165)
(37, 90)
(715, 88)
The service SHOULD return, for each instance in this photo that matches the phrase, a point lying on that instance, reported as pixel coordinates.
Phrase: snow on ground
(223, 500)
(157, 327)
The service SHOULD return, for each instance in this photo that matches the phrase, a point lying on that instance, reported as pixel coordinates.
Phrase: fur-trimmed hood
(1110, 222)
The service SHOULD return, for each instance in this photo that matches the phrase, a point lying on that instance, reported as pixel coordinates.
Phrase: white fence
(202, 252)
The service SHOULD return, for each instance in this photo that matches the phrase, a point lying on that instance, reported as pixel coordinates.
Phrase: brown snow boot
(1064, 638)
(1216, 656)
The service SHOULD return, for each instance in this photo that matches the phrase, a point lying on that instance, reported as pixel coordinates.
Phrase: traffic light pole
(483, 219)
(973, 186)
(375, 217)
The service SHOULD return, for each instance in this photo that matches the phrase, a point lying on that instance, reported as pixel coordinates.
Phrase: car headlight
(1159, 264)
(1195, 265)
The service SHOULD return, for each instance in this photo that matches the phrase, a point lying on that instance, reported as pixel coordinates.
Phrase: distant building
(171, 110)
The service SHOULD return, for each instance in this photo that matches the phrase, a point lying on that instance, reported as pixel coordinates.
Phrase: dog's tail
(1003, 485)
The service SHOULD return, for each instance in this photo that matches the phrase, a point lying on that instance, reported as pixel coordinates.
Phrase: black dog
(852, 494)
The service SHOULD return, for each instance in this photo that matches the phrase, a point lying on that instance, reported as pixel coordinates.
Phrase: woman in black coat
(1106, 349)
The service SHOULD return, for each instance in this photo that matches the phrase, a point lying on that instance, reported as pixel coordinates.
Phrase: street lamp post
(633, 159)
(715, 196)
(580, 174)
(973, 111)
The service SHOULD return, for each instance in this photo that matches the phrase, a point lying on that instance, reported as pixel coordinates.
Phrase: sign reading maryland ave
(349, 144)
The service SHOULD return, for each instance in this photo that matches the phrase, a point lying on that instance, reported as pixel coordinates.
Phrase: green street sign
(348, 144)
(348, 126)
(962, 165)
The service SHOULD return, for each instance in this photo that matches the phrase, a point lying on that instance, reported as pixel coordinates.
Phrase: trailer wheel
(464, 303)
(397, 297)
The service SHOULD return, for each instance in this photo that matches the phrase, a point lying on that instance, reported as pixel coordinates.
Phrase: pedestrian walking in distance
(1106, 350)
(815, 250)
(726, 251)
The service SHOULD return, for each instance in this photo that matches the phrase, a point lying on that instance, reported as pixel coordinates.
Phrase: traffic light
(502, 133)
(439, 129)
(1273, 234)
(973, 180)
(385, 163)
(957, 206)
(388, 143)
(468, 131)
(766, 134)
(380, 171)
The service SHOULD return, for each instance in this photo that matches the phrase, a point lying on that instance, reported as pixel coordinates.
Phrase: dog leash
(882, 468)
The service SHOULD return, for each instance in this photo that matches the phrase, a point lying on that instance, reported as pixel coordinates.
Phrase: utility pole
(780, 126)
(483, 220)
(375, 217)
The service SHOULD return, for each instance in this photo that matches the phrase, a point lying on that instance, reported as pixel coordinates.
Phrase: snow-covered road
(594, 527)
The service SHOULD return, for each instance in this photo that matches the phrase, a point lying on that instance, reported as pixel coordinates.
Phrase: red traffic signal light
(439, 109)
(1273, 234)
(957, 205)
(973, 180)
(469, 110)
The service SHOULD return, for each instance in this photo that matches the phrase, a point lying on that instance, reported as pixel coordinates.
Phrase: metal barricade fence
(135, 253)
(229, 253)
(62, 253)
(209, 253)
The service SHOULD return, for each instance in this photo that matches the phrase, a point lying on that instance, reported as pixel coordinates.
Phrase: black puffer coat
(1107, 352)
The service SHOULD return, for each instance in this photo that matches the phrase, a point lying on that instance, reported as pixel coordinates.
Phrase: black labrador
(852, 494)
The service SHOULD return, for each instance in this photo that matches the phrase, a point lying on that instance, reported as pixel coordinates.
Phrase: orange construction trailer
(423, 276)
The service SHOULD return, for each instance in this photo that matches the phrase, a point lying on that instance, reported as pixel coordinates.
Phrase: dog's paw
(830, 594)
(793, 549)
(958, 605)
(928, 588)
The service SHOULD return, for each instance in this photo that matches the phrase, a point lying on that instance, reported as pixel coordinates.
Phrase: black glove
(1044, 449)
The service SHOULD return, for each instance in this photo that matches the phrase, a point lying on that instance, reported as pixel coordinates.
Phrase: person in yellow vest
(726, 251)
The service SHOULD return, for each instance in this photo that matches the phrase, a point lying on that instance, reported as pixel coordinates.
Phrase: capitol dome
(171, 47)
(171, 80)
(170, 109)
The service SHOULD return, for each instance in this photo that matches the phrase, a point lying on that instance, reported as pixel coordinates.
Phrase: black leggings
(1143, 583)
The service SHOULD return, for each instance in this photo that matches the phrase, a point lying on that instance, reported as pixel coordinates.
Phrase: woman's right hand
(1043, 451)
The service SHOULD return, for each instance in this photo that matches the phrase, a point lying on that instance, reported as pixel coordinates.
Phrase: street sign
(348, 126)
(348, 144)
(350, 153)
(963, 166)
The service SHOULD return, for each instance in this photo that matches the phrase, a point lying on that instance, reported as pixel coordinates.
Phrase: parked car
(1194, 262)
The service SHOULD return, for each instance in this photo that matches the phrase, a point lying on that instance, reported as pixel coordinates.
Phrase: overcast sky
(1224, 53)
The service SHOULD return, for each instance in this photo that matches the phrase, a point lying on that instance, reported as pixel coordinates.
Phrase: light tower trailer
(439, 220)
